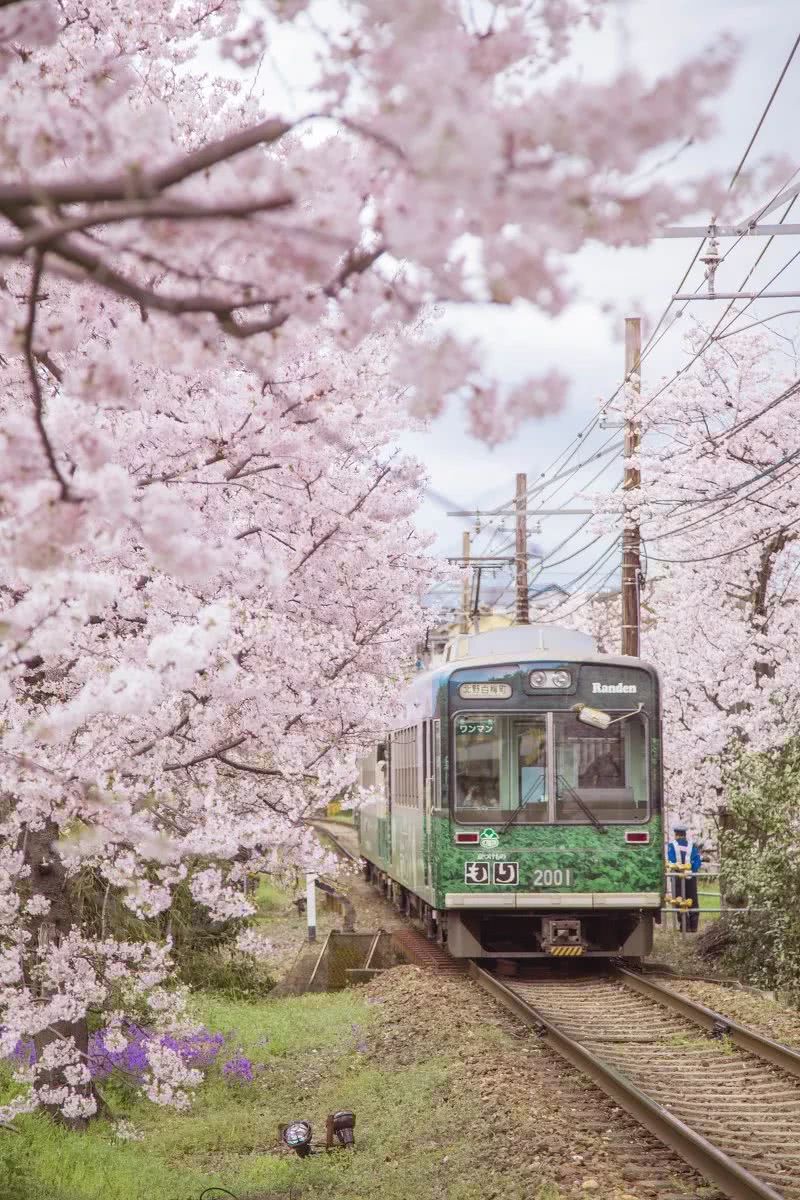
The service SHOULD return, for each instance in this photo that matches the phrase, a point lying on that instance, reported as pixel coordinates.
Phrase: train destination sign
(491, 690)
(467, 728)
(611, 689)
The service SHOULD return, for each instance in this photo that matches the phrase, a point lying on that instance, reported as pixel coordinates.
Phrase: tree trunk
(48, 878)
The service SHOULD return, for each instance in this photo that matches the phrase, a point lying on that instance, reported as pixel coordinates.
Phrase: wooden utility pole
(522, 612)
(631, 541)
(466, 586)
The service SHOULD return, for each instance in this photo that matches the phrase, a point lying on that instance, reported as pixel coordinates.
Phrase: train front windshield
(550, 768)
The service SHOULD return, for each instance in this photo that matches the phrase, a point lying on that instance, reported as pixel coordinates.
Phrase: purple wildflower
(198, 1050)
(238, 1070)
(24, 1053)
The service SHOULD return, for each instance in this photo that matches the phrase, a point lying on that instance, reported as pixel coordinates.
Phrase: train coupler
(562, 938)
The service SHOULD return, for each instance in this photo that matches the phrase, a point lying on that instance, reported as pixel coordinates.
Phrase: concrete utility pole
(311, 905)
(521, 504)
(631, 540)
(465, 587)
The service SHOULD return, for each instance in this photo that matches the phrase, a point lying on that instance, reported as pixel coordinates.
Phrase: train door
(530, 771)
(385, 822)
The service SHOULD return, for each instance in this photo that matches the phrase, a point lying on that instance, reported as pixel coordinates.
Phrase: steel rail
(703, 1155)
(324, 828)
(746, 1039)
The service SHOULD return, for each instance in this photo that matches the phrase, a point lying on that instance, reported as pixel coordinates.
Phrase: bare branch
(44, 235)
(182, 766)
(33, 374)
(135, 184)
(240, 766)
(351, 512)
(168, 734)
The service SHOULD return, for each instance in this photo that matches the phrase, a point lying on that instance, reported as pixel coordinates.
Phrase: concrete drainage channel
(343, 960)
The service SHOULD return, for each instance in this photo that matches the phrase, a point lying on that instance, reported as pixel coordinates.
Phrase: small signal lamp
(297, 1136)
(341, 1126)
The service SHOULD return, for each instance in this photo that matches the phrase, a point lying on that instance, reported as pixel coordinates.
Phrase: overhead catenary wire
(542, 483)
(653, 339)
(588, 600)
(696, 355)
(720, 514)
(729, 553)
(764, 114)
(596, 566)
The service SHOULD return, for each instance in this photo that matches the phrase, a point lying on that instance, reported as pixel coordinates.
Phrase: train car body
(516, 811)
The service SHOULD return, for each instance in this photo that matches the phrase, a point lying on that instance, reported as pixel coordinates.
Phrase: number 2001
(556, 877)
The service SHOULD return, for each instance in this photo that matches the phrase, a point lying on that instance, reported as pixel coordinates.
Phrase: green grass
(408, 1120)
(708, 896)
(269, 898)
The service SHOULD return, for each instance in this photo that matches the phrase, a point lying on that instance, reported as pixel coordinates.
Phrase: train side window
(405, 766)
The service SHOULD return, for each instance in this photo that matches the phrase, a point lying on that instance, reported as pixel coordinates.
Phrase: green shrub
(760, 868)
(236, 976)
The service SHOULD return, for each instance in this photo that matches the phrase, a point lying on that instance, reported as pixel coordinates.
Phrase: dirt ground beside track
(758, 1011)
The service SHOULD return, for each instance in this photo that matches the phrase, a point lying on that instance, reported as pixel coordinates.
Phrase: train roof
(521, 641)
(517, 643)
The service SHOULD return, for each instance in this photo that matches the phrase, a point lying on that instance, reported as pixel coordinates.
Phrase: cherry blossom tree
(213, 326)
(717, 509)
(721, 536)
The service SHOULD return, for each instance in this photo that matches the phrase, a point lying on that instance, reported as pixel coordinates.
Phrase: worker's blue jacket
(678, 849)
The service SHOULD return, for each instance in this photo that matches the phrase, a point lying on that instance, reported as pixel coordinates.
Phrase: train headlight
(550, 679)
(297, 1136)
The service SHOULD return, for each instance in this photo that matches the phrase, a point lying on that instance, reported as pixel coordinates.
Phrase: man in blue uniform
(681, 851)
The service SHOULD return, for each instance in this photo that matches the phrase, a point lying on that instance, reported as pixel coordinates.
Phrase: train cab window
(602, 770)
(501, 768)
(531, 745)
(479, 761)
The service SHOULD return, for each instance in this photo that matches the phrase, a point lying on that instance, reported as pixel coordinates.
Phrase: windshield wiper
(522, 804)
(585, 807)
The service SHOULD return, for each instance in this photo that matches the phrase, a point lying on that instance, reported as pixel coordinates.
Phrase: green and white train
(516, 811)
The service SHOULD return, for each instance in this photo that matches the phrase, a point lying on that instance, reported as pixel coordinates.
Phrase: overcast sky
(583, 341)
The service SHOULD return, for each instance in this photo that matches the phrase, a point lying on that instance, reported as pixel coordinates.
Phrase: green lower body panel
(557, 860)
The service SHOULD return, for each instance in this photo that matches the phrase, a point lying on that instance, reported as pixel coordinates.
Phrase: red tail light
(468, 839)
(636, 835)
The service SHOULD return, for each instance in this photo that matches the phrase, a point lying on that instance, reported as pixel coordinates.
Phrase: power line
(728, 553)
(792, 390)
(763, 116)
(655, 337)
(711, 519)
(588, 600)
(653, 341)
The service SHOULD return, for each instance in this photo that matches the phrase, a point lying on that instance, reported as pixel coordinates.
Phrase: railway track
(327, 828)
(721, 1096)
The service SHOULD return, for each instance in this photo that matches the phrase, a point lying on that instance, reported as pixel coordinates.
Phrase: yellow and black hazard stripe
(566, 951)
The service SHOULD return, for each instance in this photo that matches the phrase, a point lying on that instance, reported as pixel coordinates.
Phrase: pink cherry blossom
(214, 325)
